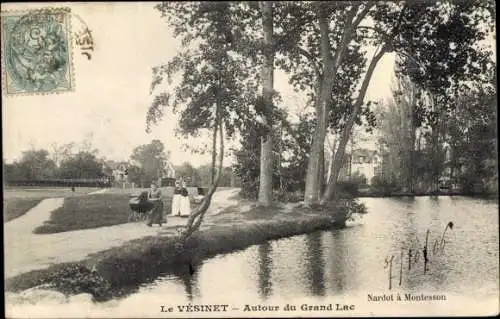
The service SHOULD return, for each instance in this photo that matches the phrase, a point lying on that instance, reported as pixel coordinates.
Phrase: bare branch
(409, 56)
(377, 30)
(361, 16)
(311, 59)
(349, 30)
(389, 38)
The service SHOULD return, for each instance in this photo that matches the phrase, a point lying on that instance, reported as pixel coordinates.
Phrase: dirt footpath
(25, 251)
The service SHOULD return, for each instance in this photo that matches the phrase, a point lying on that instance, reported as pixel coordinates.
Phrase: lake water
(352, 266)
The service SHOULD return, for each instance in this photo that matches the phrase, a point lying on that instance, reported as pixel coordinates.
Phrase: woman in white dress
(185, 205)
(176, 199)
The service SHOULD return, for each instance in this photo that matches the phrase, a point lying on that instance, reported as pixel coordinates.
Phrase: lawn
(16, 207)
(14, 192)
(92, 211)
(80, 210)
(17, 201)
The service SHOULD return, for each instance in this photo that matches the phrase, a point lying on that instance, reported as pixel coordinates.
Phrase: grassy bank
(144, 259)
(121, 270)
(93, 211)
(87, 212)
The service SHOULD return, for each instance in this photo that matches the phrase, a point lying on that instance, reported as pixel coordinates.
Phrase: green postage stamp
(36, 52)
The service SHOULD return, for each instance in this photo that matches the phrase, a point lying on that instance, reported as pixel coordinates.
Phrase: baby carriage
(140, 206)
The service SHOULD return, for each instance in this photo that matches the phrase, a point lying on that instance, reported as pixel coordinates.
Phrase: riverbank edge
(422, 194)
(119, 271)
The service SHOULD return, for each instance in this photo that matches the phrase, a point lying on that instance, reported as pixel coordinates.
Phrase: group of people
(180, 203)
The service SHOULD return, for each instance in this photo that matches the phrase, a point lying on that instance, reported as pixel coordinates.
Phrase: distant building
(120, 172)
(361, 161)
(117, 172)
(168, 178)
(169, 170)
(451, 168)
(365, 162)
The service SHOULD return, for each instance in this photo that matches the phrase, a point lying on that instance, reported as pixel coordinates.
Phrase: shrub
(281, 195)
(249, 190)
(68, 278)
(356, 207)
(358, 178)
(384, 184)
(348, 187)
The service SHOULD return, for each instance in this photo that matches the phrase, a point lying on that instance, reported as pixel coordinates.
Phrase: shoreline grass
(144, 259)
(423, 194)
(120, 270)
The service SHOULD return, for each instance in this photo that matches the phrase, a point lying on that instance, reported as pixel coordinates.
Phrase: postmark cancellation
(37, 52)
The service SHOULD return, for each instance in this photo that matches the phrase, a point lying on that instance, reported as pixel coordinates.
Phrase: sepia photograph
(238, 159)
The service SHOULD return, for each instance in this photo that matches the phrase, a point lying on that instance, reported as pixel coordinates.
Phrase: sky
(111, 95)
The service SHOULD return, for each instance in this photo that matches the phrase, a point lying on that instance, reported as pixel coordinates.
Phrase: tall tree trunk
(313, 165)
(333, 146)
(435, 169)
(452, 169)
(409, 131)
(411, 161)
(411, 166)
(312, 190)
(323, 99)
(438, 137)
(441, 140)
(340, 153)
(266, 155)
(214, 152)
(321, 172)
(279, 161)
(404, 135)
(233, 178)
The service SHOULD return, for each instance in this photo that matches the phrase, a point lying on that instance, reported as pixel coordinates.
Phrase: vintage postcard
(250, 159)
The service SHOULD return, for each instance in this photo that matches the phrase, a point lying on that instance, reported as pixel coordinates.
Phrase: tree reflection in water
(337, 262)
(315, 265)
(190, 280)
(265, 265)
